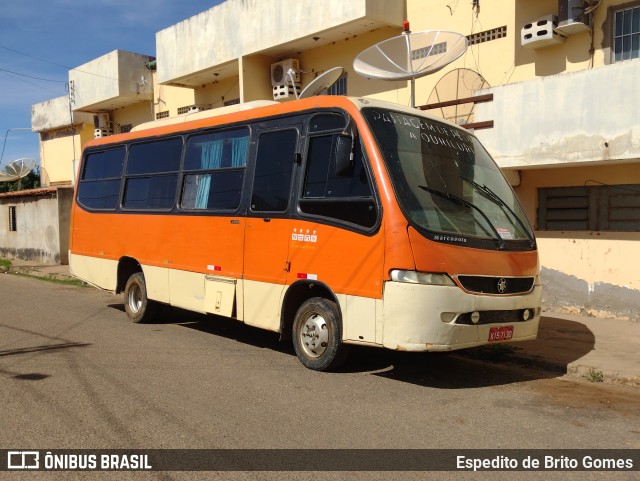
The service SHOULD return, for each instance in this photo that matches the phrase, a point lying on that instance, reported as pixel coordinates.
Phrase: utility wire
(36, 58)
(32, 83)
(31, 76)
(60, 65)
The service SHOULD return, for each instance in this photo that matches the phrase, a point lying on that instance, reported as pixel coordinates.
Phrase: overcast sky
(41, 40)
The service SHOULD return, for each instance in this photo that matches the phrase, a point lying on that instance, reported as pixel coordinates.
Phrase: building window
(13, 222)
(339, 87)
(126, 128)
(162, 115)
(593, 208)
(626, 34)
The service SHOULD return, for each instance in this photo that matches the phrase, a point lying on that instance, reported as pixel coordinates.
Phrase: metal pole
(5, 138)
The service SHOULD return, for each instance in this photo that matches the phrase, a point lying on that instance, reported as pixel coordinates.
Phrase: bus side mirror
(344, 156)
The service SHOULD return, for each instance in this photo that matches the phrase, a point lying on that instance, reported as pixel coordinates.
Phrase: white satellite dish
(321, 82)
(16, 169)
(410, 56)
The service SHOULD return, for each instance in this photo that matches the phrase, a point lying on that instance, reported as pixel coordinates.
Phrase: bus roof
(253, 110)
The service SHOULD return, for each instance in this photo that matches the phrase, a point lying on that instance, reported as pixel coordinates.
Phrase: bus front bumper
(421, 317)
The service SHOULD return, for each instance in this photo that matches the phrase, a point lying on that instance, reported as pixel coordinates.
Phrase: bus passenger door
(267, 234)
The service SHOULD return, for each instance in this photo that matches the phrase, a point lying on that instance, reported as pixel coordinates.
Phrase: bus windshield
(446, 182)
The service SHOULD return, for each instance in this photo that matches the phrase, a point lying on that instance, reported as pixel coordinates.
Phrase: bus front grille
(496, 285)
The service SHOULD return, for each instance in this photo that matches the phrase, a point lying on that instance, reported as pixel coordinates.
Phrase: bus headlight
(415, 277)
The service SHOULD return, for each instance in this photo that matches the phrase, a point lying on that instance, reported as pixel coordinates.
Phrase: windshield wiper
(460, 201)
(488, 193)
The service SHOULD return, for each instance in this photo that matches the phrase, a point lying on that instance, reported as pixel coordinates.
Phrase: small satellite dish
(16, 169)
(410, 56)
(321, 82)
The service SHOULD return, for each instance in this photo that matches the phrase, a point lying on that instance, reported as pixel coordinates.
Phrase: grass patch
(594, 376)
(5, 264)
(55, 280)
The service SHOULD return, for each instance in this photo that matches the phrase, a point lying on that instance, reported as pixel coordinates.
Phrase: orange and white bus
(331, 220)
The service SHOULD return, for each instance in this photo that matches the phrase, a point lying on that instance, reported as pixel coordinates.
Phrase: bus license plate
(503, 333)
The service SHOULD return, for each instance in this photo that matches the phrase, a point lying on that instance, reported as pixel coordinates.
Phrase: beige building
(553, 100)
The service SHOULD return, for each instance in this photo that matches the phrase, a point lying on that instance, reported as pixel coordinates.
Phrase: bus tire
(136, 303)
(317, 335)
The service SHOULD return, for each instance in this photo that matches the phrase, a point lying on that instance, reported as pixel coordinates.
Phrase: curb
(575, 370)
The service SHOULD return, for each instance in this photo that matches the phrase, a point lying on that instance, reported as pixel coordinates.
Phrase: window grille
(594, 208)
(626, 35)
(13, 221)
(339, 87)
(162, 115)
(487, 35)
(436, 49)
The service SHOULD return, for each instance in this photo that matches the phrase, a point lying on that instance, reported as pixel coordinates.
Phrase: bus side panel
(102, 273)
(186, 290)
(262, 303)
(157, 281)
(265, 270)
(348, 262)
(175, 256)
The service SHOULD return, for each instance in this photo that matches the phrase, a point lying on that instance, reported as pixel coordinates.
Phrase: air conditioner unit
(101, 121)
(280, 72)
(572, 18)
(541, 33)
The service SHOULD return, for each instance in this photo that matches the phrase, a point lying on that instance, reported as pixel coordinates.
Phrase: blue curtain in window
(239, 151)
(211, 158)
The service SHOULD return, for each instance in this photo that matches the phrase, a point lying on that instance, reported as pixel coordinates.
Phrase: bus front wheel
(136, 303)
(317, 335)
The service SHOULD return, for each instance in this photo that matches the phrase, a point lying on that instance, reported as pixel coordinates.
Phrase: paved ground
(75, 374)
(599, 350)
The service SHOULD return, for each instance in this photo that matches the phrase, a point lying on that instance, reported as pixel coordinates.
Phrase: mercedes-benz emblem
(502, 286)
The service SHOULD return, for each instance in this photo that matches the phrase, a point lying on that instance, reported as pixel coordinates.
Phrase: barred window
(13, 221)
(626, 35)
(339, 87)
(595, 208)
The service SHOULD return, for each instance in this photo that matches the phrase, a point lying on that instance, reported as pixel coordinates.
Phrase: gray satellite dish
(321, 82)
(410, 56)
(16, 169)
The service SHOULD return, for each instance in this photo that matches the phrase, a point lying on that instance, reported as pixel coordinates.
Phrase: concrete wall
(585, 271)
(111, 81)
(42, 233)
(238, 28)
(576, 117)
(59, 149)
(53, 114)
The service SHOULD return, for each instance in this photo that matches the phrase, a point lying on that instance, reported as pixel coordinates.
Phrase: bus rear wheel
(317, 335)
(136, 303)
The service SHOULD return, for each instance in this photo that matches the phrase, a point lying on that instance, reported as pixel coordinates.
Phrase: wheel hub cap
(314, 336)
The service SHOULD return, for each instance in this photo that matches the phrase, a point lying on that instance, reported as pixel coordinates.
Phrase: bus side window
(274, 167)
(337, 193)
(214, 168)
(99, 186)
(152, 174)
